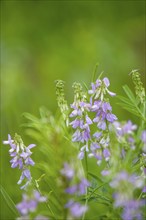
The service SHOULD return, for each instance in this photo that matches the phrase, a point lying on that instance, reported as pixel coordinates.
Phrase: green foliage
(134, 105)
(9, 202)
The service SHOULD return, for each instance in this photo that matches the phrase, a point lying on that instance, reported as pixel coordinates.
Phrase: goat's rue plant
(92, 165)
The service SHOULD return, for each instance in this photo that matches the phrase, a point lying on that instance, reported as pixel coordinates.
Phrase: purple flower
(79, 189)
(132, 210)
(82, 186)
(76, 209)
(106, 107)
(94, 146)
(128, 128)
(88, 120)
(97, 135)
(20, 157)
(76, 136)
(120, 177)
(143, 136)
(67, 171)
(30, 203)
(106, 81)
(144, 189)
(81, 155)
(111, 117)
(105, 172)
(106, 154)
(71, 189)
(101, 125)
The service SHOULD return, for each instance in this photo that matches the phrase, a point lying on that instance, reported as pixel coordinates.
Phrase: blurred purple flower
(67, 171)
(80, 188)
(30, 203)
(143, 136)
(132, 210)
(76, 209)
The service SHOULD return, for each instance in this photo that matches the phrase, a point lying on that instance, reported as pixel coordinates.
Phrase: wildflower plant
(90, 165)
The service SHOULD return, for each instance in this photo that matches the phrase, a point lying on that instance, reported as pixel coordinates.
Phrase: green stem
(86, 165)
(86, 172)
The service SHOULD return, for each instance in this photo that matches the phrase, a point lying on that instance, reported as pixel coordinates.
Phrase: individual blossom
(79, 189)
(76, 208)
(21, 157)
(67, 171)
(29, 203)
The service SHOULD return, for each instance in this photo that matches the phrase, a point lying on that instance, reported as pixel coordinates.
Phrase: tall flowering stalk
(103, 118)
(20, 155)
(62, 103)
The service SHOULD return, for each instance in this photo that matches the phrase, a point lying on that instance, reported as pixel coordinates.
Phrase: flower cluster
(30, 203)
(76, 208)
(124, 186)
(125, 135)
(96, 144)
(20, 158)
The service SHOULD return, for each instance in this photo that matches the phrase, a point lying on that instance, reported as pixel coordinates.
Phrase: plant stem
(86, 172)
(86, 165)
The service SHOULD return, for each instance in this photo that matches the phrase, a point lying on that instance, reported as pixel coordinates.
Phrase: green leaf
(95, 177)
(129, 93)
(125, 100)
(9, 201)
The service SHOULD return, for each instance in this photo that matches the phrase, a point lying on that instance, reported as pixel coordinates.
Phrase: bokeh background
(43, 40)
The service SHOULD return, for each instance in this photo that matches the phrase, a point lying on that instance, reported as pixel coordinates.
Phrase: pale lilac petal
(106, 82)
(31, 146)
(81, 155)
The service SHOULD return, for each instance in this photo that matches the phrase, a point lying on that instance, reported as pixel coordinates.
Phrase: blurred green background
(42, 41)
